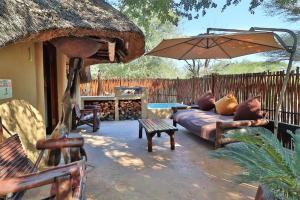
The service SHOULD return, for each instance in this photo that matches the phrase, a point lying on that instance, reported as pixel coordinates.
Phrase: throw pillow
(249, 110)
(226, 105)
(206, 102)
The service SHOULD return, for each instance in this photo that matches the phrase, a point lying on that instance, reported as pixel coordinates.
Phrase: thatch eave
(42, 20)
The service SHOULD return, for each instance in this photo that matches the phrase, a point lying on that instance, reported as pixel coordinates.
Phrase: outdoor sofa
(209, 125)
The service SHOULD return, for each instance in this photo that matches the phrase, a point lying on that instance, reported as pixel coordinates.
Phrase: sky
(235, 17)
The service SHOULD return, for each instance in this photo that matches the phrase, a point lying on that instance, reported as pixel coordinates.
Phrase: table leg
(158, 134)
(172, 139)
(149, 139)
(140, 131)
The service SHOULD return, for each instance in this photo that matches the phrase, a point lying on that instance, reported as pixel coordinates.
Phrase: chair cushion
(249, 110)
(206, 102)
(226, 105)
(199, 122)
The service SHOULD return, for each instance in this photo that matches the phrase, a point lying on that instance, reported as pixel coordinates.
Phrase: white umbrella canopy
(217, 46)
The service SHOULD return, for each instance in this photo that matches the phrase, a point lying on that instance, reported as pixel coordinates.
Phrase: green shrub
(266, 160)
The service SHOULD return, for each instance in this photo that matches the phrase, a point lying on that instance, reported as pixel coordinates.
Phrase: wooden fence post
(213, 77)
(193, 90)
(99, 85)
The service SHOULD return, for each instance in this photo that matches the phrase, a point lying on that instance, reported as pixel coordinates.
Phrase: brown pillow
(206, 102)
(249, 110)
(227, 105)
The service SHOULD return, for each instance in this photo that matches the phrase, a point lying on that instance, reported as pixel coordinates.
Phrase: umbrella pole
(282, 92)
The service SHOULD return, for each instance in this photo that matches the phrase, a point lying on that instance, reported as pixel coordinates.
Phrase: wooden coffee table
(156, 126)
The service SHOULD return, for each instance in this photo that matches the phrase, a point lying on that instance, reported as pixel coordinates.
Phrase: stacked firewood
(130, 109)
(107, 109)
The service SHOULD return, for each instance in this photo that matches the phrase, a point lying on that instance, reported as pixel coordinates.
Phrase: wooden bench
(18, 173)
(156, 126)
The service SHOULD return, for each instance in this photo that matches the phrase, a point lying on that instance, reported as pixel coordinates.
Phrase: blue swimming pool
(163, 105)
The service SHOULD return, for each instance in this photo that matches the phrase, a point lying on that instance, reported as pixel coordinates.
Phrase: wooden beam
(111, 51)
(58, 143)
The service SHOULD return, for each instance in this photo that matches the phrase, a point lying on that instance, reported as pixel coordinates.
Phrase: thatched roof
(43, 20)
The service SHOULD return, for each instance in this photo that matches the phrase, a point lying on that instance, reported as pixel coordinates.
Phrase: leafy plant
(266, 160)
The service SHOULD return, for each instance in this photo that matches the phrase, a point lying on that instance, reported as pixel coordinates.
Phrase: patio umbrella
(238, 43)
(216, 46)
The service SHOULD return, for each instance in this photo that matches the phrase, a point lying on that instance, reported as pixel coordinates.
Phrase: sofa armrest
(235, 124)
(59, 143)
(55, 175)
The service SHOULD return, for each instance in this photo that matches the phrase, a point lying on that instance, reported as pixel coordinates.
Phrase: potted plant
(266, 161)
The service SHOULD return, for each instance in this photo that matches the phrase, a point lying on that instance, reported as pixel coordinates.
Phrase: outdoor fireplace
(126, 103)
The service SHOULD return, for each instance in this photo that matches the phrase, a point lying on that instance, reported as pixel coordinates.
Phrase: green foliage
(247, 67)
(265, 159)
(290, 9)
(173, 10)
(143, 67)
(146, 10)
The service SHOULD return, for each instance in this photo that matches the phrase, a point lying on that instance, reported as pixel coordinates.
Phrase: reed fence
(267, 85)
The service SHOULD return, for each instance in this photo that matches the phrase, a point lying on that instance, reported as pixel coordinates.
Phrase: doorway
(50, 86)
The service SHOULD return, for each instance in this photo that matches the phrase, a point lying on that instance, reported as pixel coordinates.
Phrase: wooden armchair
(90, 116)
(18, 173)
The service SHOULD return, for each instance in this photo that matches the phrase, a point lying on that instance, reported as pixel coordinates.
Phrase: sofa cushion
(249, 110)
(206, 102)
(199, 122)
(226, 105)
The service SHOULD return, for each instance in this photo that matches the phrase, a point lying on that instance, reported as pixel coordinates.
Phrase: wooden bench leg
(140, 131)
(172, 139)
(149, 139)
(158, 134)
(174, 123)
(95, 122)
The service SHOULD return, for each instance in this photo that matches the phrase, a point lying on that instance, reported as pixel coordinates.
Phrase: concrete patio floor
(120, 167)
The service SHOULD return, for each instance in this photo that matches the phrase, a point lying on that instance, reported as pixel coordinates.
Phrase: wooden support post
(63, 188)
(282, 92)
